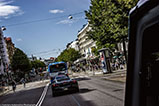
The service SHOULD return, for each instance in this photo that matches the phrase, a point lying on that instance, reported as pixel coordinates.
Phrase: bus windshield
(57, 67)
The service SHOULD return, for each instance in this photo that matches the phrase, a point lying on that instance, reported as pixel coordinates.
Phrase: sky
(42, 27)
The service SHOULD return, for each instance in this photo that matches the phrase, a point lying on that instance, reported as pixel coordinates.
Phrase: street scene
(94, 90)
(79, 53)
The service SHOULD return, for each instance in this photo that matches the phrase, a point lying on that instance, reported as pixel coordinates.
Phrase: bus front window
(57, 68)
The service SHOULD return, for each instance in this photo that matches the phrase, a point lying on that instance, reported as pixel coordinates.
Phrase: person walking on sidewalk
(13, 85)
(23, 80)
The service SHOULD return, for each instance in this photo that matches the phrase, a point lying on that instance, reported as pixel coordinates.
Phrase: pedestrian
(113, 66)
(13, 85)
(23, 81)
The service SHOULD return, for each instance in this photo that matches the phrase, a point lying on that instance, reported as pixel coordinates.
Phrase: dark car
(63, 83)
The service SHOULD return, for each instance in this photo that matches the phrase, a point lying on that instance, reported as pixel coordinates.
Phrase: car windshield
(57, 68)
(62, 78)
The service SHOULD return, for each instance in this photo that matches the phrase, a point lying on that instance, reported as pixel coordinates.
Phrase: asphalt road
(94, 91)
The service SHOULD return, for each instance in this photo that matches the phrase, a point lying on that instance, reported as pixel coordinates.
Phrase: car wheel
(54, 94)
(77, 89)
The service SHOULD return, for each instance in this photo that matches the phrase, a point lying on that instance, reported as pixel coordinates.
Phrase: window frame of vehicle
(140, 18)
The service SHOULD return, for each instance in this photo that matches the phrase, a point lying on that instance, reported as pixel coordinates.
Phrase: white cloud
(19, 39)
(6, 10)
(65, 22)
(56, 11)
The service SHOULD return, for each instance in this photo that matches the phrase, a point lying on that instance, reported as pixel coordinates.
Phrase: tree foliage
(95, 51)
(37, 63)
(69, 55)
(20, 61)
(109, 21)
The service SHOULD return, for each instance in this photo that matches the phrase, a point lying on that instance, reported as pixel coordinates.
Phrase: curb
(4, 92)
(120, 79)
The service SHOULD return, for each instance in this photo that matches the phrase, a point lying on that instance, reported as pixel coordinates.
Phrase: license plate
(65, 88)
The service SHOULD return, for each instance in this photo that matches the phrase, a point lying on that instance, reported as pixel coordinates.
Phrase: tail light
(54, 85)
(74, 81)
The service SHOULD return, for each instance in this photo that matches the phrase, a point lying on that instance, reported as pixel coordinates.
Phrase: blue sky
(44, 38)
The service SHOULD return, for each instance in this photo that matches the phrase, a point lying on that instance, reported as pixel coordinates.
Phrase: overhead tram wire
(52, 51)
(39, 20)
(48, 51)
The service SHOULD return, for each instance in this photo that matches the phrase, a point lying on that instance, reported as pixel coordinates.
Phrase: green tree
(108, 20)
(95, 51)
(69, 55)
(20, 62)
(37, 63)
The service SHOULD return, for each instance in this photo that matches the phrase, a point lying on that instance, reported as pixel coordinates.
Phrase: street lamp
(70, 17)
(3, 28)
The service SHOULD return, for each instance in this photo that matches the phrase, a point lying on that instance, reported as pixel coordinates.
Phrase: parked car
(63, 83)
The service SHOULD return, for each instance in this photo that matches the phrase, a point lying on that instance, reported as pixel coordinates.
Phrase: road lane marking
(43, 95)
(17, 104)
(75, 100)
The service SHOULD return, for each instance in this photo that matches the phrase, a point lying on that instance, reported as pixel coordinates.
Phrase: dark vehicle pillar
(143, 55)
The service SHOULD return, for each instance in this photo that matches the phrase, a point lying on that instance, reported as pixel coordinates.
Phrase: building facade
(10, 47)
(4, 60)
(74, 45)
(85, 44)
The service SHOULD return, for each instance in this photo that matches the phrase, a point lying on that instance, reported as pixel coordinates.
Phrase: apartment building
(85, 44)
(74, 45)
(4, 60)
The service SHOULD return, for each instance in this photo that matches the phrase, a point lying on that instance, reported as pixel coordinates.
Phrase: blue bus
(57, 68)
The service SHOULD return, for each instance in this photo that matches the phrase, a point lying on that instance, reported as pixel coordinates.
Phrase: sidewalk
(117, 75)
(5, 90)
(30, 85)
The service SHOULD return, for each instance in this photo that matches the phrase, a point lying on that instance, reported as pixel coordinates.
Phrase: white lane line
(75, 100)
(43, 95)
